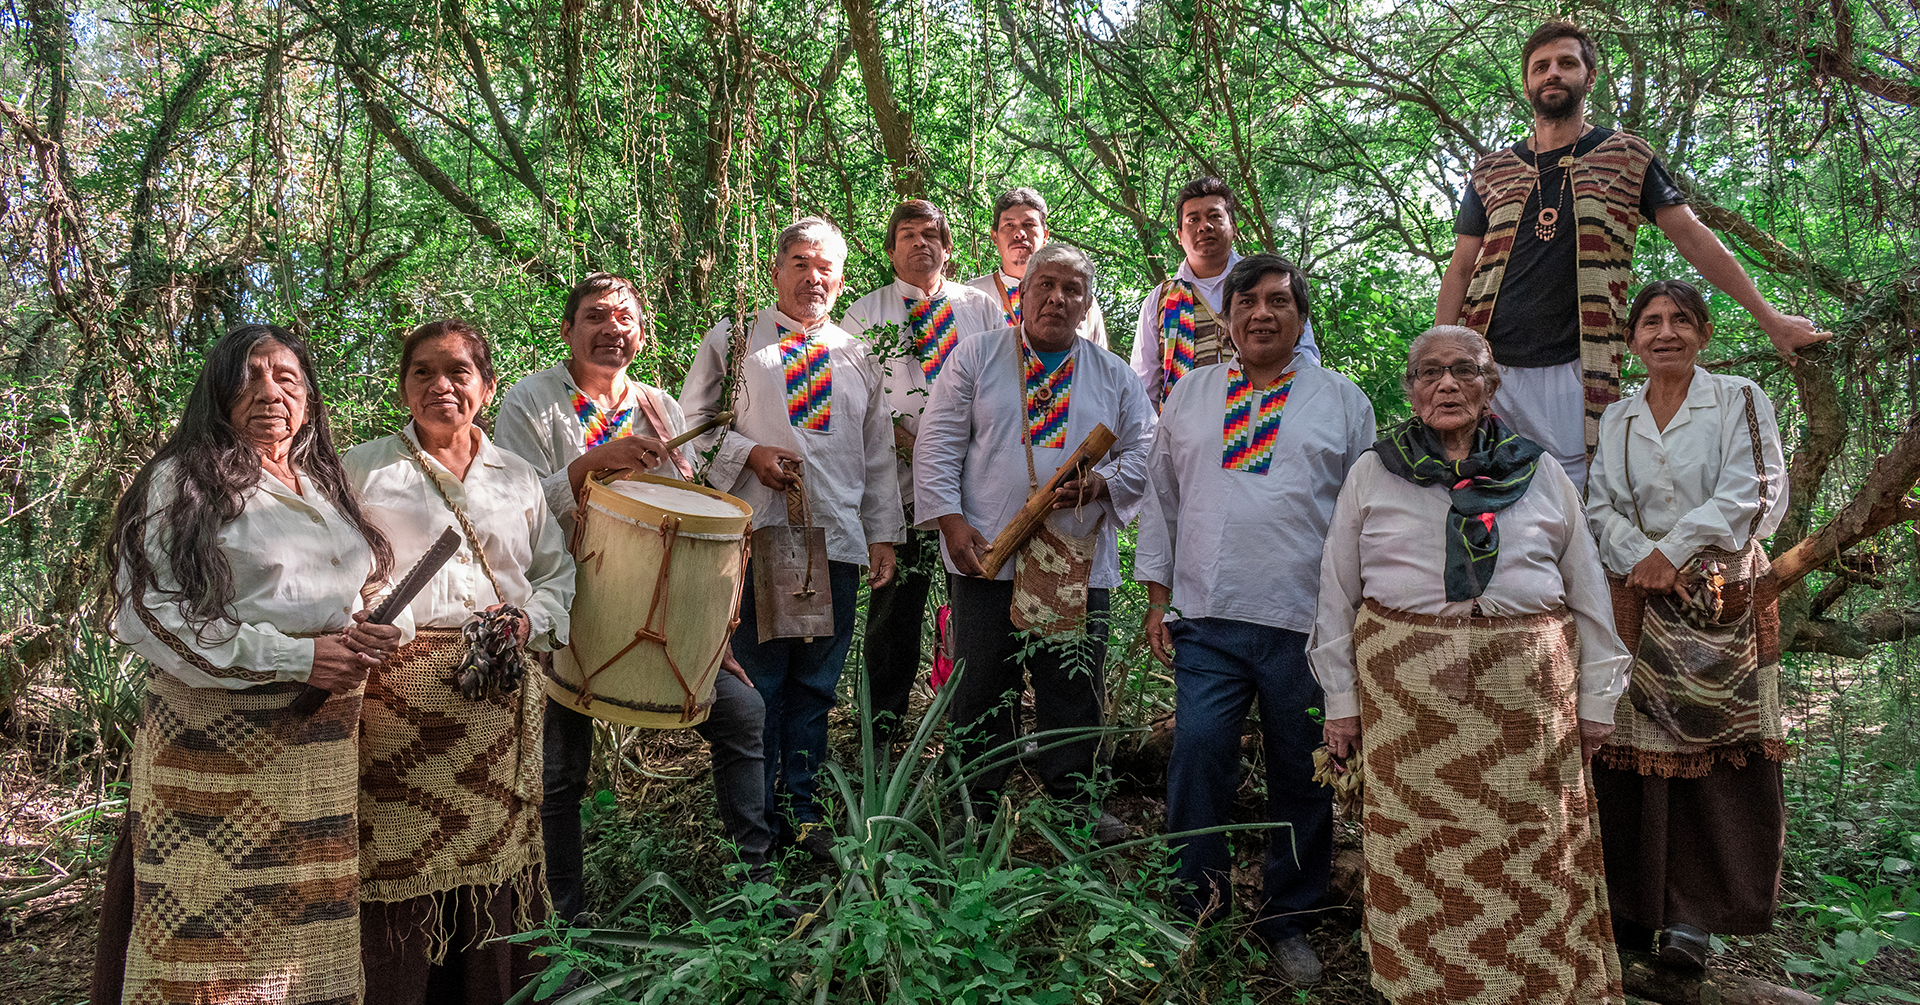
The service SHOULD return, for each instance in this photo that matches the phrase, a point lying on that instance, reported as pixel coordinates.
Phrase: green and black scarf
(1493, 476)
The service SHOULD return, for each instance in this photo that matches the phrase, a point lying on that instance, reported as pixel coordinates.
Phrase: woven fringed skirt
(1485, 882)
(450, 843)
(244, 862)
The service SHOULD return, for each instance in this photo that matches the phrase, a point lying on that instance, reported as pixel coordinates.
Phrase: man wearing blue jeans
(810, 420)
(1245, 467)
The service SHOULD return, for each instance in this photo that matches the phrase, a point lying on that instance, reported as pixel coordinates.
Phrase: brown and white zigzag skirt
(245, 868)
(1485, 882)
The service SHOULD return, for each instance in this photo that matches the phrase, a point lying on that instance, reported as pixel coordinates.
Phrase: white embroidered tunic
(913, 352)
(503, 500)
(848, 472)
(1695, 483)
(298, 568)
(1146, 339)
(1387, 543)
(549, 423)
(970, 460)
(1231, 542)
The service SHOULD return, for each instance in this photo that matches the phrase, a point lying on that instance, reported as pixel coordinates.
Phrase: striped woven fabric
(599, 425)
(1190, 335)
(1606, 203)
(935, 333)
(809, 373)
(246, 888)
(1047, 397)
(1252, 422)
(449, 788)
(1485, 882)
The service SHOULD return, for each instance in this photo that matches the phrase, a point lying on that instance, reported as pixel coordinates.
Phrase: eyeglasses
(1462, 372)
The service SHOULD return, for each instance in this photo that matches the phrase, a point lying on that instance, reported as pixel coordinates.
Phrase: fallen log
(1647, 978)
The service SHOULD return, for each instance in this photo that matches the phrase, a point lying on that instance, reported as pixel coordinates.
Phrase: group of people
(1439, 597)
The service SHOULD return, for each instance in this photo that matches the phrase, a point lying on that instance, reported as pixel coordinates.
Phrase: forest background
(354, 167)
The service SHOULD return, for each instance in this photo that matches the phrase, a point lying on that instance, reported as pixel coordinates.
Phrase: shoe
(817, 841)
(1685, 947)
(1110, 829)
(784, 907)
(1299, 965)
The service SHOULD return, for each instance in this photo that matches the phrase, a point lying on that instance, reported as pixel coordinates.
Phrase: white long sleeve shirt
(971, 461)
(848, 470)
(1695, 482)
(1234, 543)
(907, 387)
(540, 421)
(1387, 542)
(1146, 338)
(502, 498)
(298, 569)
(1005, 293)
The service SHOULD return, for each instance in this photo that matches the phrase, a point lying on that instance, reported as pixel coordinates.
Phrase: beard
(1559, 106)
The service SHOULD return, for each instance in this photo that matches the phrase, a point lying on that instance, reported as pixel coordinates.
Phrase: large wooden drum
(661, 566)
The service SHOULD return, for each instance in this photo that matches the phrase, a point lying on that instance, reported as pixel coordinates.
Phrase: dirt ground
(47, 944)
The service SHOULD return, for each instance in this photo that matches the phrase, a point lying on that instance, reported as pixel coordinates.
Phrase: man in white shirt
(1180, 328)
(912, 324)
(810, 412)
(582, 415)
(1247, 463)
(1019, 230)
(1007, 412)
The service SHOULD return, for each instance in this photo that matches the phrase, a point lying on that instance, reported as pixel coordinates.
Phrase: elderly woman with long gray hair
(242, 557)
(1465, 641)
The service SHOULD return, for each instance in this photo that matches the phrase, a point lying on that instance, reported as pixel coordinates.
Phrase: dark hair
(597, 282)
(1685, 296)
(216, 472)
(1200, 188)
(477, 346)
(1554, 31)
(918, 209)
(1015, 197)
(1249, 271)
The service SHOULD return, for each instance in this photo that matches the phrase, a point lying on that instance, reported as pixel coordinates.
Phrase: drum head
(675, 498)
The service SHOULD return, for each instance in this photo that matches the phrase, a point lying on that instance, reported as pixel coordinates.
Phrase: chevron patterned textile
(1606, 203)
(1252, 422)
(1485, 882)
(935, 333)
(1047, 396)
(600, 425)
(809, 372)
(1177, 309)
(245, 885)
(449, 788)
(1012, 304)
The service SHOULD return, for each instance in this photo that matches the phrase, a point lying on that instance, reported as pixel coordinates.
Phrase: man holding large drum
(810, 447)
(584, 415)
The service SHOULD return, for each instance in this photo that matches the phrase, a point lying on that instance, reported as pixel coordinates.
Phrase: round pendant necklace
(1547, 222)
(1043, 393)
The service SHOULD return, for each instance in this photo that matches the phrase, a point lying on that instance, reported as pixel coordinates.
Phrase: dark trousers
(1068, 687)
(797, 680)
(397, 939)
(733, 731)
(894, 616)
(1219, 667)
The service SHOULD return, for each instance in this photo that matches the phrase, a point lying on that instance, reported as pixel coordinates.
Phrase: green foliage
(1864, 921)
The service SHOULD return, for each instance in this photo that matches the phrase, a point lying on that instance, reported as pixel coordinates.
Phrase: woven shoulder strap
(466, 524)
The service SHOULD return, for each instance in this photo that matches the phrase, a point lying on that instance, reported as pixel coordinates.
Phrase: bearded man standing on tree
(1543, 255)
(1019, 230)
(911, 324)
(1180, 326)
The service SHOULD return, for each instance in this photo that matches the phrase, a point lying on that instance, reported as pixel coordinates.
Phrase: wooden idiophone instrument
(1025, 523)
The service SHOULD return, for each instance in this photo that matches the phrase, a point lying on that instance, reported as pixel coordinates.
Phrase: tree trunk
(896, 126)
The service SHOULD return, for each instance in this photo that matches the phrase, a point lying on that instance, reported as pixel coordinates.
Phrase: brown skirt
(399, 940)
(1696, 851)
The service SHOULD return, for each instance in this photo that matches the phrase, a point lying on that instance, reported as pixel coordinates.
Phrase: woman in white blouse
(450, 845)
(1687, 481)
(1466, 645)
(242, 562)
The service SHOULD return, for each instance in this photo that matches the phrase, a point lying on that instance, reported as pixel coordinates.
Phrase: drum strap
(466, 525)
(652, 412)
